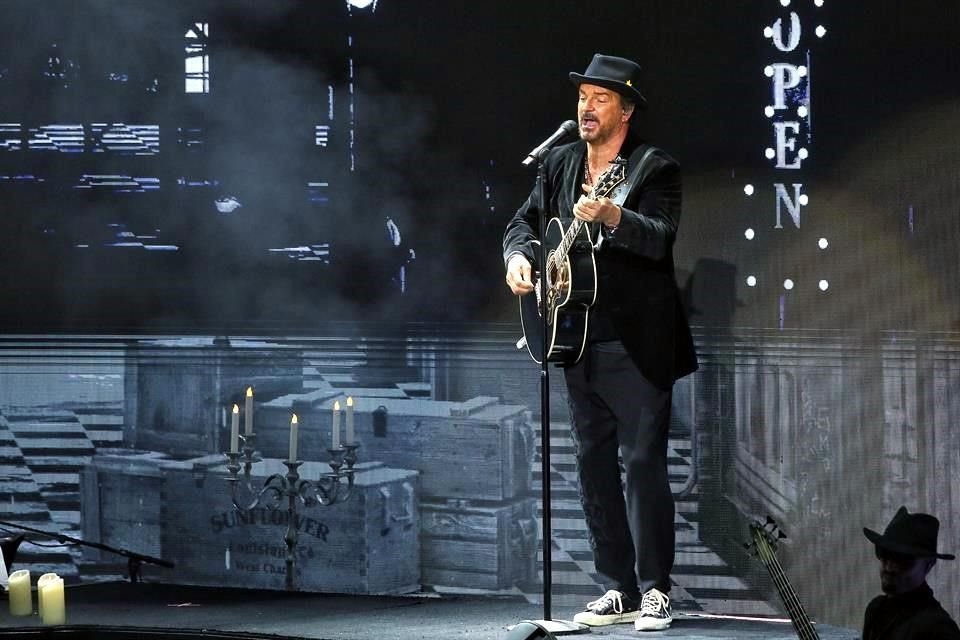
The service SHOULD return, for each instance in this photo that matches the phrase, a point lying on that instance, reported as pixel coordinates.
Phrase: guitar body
(569, 288)
(566, 288)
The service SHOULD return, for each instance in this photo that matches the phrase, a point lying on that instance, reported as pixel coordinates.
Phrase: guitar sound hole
(559, 281)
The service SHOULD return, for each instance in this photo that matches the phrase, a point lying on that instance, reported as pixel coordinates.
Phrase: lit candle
(248, 413)
(293, 438)
(21, 599)
(336, 424)
(349, 419)
(42, 580)
(54, 609)
(235, 430)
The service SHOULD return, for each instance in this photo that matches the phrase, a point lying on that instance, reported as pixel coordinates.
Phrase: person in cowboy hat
(638, 339)
(907, 550)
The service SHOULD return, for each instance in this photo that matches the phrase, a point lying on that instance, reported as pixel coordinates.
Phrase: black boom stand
(556, 627)
(134, 560)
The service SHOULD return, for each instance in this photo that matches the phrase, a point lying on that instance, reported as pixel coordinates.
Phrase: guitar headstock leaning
(765, 537)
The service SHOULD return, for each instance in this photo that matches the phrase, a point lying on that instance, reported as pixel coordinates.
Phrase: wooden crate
(367, 544)
(479, 545)
(181, 511)
(475, 450)
(177, 392)
(121, 503)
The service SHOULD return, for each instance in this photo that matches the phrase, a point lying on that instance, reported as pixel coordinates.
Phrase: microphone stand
(556, 627)
(134, 560)
(541, 187)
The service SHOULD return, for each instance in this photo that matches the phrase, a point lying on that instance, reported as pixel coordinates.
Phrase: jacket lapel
(572, 177)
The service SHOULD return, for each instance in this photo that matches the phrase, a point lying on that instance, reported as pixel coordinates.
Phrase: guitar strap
(627, 186)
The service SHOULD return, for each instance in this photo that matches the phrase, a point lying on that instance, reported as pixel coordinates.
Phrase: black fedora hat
(912, 534)
(619, 74)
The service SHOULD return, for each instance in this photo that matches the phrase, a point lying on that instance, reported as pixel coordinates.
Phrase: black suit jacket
(911, 616)
(637, 287)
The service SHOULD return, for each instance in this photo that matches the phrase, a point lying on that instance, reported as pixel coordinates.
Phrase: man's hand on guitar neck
(518, 275)
(599, 210)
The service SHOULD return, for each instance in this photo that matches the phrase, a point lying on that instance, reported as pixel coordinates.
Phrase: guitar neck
(564, 246)
(799, 618)
(605, 185)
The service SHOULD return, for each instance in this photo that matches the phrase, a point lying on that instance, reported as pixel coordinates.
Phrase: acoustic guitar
(566, 288)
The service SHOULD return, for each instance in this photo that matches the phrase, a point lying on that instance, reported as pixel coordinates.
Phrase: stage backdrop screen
(306, 199)
(215, 165)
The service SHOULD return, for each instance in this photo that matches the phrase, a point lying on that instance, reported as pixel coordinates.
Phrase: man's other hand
(518, 275)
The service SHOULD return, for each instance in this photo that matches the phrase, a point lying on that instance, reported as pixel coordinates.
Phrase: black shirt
(915, 615)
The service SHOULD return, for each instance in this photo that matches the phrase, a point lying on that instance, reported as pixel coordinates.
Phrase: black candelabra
(329, 488)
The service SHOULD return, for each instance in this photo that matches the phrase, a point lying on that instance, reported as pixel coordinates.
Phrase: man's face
(600, 113)
(900, 573)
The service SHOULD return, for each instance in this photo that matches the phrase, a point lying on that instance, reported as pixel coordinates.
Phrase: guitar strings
(786, 591)
(791, 600)
(606, 183)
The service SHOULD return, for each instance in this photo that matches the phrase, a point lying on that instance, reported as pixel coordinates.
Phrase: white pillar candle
(349, 437)
(54, 607)
(42, 580)
(21, 599)
(293, 438)
(235, 430)
(336, 424)
(248, 413)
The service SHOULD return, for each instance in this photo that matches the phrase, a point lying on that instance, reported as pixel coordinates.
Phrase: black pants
(613, 409)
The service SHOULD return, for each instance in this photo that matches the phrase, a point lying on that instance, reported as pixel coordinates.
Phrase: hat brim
(620, 87)
(897, 547)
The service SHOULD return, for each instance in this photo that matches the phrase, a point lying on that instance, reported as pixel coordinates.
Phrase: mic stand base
(559, 627)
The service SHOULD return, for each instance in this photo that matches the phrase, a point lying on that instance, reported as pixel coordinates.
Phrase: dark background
(448, 99)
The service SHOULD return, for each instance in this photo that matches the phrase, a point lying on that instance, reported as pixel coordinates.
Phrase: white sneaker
(654, 612)
(613, 607)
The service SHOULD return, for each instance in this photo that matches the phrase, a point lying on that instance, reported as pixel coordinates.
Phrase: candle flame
(336, 405)
(349, 401)
(236, 409)
(293, 420)
(249, 392)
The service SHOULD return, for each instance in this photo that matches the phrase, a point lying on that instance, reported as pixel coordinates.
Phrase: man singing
(638, 340)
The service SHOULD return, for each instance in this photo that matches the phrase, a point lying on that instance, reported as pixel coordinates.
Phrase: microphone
(565, 129)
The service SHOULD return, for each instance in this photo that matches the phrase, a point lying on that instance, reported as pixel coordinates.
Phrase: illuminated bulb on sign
(768, 71)
(819, 3)
(804, 199)
(785, 3)
(821, 31)
(767, 32)
(802, 111)
(802, 71)
(748, 189)
(803, 153)
(751, 281)
(749, 234)
(822, 243)
(788, 284)
(360, 4)
(824, 285)
(770, 153)
(768, 111)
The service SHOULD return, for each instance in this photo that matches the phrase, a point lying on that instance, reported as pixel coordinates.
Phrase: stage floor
(307, 615)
